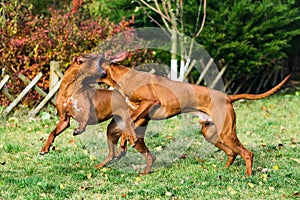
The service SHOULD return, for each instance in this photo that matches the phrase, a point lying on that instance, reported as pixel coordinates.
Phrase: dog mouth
(101, 70)
(103, 74)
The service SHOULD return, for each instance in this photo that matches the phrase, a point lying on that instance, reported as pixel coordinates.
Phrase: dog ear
(118, 57)
(80, 59)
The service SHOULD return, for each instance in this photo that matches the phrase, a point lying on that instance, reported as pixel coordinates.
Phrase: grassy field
(186, 167)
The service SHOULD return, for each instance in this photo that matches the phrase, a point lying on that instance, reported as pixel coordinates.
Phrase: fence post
(54, 78)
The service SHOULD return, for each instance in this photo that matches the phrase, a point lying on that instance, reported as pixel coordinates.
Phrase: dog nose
(103, 74)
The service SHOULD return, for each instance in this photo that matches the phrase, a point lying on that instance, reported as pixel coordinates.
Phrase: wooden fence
(55, 80)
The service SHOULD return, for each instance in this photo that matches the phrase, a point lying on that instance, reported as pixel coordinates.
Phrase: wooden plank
(21, 95)
(36, 88)
(227, 85)
(251, 85)
(238, 88)
(4, 80)
(6, 93)
(53, 76)
(261, 82)
(190, 69)
(214, 83)
(204, 72)
(45, 100)
(59, 73)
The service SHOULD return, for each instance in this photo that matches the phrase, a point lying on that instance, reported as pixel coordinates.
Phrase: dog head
(89, 67)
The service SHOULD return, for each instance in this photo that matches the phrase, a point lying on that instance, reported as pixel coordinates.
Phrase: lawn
(186, 167)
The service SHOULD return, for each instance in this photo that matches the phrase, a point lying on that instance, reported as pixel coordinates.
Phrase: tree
(252, 38)
(171, 15)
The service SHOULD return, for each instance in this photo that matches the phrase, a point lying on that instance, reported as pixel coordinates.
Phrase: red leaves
(29, 42)
(18, 42)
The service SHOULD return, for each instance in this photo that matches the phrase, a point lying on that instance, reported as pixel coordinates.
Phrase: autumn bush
(29, 42)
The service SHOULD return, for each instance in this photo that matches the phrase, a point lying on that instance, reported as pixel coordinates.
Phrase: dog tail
(234, 98)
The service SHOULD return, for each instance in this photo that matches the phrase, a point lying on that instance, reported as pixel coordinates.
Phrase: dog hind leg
(113, 135)
(150, 158)
(229, 138)
(209, 132)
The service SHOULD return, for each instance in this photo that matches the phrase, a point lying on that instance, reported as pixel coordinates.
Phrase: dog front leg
(86, 113)
(60, 127)
(134, 120)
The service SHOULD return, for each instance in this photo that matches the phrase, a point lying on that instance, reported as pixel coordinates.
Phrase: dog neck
(115, 73)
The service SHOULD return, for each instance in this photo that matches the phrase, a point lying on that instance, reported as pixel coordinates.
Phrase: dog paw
(77, 132)
(43, 153)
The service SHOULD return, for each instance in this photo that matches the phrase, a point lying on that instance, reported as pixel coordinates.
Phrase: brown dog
(157, 97)
(88, 106)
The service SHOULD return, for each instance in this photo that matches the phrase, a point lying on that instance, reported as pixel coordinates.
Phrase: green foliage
(251, 37)
(115, 10)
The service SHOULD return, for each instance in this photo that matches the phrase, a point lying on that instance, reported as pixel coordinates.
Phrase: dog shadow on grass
(169, 141)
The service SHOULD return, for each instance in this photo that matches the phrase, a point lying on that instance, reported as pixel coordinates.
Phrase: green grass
(269, 128)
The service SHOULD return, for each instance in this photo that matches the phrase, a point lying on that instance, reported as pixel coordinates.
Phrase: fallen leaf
(124, 195)
(160, 148)
(251, 185)
(297, 160)
(294, 140)
(264, 177)
(231, 190)
(89, 175)
(265, 170)
(169, 137)
(72, 141)
(92, 157)
(138, 179)
(168, 193)
(84, 188)
(104, 169)
(43, 195)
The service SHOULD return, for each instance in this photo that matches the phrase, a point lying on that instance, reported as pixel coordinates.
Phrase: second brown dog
(89, 106)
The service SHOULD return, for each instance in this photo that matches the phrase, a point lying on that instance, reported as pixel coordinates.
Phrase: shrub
(252, 38)
(29, 42)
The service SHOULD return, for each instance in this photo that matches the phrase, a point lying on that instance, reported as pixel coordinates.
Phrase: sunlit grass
(269, 128)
